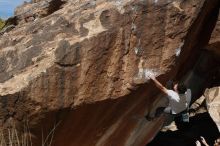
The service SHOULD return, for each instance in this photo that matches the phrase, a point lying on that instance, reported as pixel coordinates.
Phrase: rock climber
(179, 99)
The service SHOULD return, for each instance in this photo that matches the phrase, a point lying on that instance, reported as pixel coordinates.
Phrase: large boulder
(85, 67)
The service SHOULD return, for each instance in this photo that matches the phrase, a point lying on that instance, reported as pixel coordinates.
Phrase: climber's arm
(159, 85)
(204, 141)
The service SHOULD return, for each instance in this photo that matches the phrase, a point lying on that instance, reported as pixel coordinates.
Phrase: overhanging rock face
(85, 66)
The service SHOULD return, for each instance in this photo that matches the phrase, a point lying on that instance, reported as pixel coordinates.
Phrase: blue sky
(7, 7)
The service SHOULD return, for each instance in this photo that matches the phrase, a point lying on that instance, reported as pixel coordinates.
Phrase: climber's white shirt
(178, 102)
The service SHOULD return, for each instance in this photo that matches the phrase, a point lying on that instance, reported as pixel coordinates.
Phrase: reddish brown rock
(86, 67)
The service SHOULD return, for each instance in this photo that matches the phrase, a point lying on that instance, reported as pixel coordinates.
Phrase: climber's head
(180, 88)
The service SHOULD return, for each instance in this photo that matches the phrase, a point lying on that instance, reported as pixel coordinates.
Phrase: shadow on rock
(186, 135)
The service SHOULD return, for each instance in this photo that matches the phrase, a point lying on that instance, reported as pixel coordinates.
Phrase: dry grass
(11, 137)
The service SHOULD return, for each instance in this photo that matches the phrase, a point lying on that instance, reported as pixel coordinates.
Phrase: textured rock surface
(213, 104)
(85, 66)
(37, 9)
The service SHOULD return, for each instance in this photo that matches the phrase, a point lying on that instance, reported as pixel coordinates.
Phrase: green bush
(2, 23)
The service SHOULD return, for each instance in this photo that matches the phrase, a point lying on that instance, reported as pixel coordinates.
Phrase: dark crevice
(55, 5)
(65, 65)
(198, 37)
(200, 125)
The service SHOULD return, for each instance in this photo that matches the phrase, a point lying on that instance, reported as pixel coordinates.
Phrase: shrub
(2, 23)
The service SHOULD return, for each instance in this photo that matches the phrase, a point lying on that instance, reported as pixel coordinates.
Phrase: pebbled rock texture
(85, 66)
